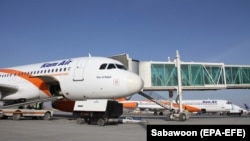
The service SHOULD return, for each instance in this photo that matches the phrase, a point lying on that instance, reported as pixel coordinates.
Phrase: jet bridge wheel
(170, 116)
(182, 116)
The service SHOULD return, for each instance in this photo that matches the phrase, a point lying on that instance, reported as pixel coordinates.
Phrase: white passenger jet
(75, 79)
(193, 106)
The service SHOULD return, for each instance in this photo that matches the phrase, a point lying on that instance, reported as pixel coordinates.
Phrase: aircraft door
(79, 70)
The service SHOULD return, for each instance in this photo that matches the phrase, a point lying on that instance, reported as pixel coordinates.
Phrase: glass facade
(237, 75)
(198, 75)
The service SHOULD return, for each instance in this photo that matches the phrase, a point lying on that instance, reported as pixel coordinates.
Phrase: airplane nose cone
(135, 83)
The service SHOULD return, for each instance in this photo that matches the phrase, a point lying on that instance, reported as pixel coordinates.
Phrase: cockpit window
(111, 66)
(121, 67)
(103, 66)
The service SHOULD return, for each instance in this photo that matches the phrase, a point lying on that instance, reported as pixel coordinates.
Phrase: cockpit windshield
(112, 66)
(121, 67)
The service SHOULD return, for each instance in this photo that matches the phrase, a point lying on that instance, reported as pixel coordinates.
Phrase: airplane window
(56, 70)
(64, 69)
(121, 67)
(52, 70)
(103, 66)
(60, 69)
(111, 66)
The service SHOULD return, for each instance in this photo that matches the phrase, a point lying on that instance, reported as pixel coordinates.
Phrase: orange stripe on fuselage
(186, 107)
(39, 83)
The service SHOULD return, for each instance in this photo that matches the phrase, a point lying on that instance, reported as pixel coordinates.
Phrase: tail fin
(246, 106)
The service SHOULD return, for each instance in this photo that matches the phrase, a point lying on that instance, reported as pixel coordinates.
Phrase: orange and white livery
(193, 106)
(74, 78)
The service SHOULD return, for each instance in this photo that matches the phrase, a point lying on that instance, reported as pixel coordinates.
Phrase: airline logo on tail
(246, 106)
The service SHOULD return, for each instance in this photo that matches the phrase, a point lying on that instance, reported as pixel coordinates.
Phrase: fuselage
(75, 78)
(190, 105)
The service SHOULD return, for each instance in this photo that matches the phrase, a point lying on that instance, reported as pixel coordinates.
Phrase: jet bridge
(185, 76)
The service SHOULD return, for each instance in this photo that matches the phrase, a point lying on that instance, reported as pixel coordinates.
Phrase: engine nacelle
(65, 105)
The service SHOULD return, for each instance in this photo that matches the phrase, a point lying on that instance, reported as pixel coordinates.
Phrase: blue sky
(34, 31)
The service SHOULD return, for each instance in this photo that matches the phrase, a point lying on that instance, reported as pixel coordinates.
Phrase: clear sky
(33, 31)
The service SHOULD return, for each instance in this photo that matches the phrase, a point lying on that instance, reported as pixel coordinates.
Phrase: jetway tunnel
(195, 76)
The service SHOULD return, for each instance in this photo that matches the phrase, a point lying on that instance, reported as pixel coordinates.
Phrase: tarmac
(64, 127)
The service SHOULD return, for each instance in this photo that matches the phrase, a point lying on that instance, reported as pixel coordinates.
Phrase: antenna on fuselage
(89, 55)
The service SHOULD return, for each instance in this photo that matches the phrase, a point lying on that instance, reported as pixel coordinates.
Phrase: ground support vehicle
(97, 111)
(17, 114)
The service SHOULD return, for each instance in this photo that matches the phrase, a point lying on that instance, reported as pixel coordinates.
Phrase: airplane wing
(6, 89)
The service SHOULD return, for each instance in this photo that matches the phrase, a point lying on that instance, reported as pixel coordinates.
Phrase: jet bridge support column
(180, 114)
(170, 95)
(179, 88)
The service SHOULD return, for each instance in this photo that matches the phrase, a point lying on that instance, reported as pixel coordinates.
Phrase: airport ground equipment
(20, 104)
(19, 110)
(177, 115)
(130, 119)
(156, 99)
(17, 114)
(97, 111)
(236, 110)
(174, 114)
